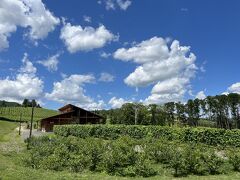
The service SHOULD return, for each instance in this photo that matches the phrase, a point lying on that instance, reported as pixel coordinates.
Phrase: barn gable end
(70, 114)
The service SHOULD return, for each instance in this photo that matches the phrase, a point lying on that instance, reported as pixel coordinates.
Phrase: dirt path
(25, 132)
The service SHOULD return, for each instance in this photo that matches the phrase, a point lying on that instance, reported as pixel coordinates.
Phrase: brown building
(70, 114)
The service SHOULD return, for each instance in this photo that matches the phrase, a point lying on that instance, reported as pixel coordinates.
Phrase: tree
(153, 111)
(34, 103)
(4, 104)
(180, 110)
(222, 111)
(169, 109)
(234, 104)
(25, 103)
(193, 112)
(161, 116)
(127, 113)
(143, 115)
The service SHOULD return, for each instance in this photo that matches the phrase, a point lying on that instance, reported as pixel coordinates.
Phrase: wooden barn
(70, 114)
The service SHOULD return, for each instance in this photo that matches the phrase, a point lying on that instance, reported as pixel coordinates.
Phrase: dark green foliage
(220, 111)
(234, 159)
(28, 103)
(119, 157)
(169, 109)
(195, 159)
(209, 136)
(126, 156)
(160, 151)
(214, 162)
(178, 162)
(143, 167)
(9, 104)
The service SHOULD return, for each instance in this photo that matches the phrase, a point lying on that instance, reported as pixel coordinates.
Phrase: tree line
(222, 111)
(25, 103)
(29, 103)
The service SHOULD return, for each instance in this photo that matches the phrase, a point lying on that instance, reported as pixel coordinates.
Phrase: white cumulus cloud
(51, 63)
(113, 4)
(71, 90)
(105, 55)
(25, 85)
(31, 14)
(170, 69)
(234, 88)
(87, 18)
(77, 38)
(106, 77)
(124, 4)
(201, 95)
(116, 102)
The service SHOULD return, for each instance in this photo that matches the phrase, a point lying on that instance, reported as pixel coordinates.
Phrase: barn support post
(79, 115)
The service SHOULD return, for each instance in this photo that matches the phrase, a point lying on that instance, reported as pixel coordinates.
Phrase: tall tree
(34, 103)
(170, 108)
(153, 111)
(234, 104)
(180, 111)
(25, 103)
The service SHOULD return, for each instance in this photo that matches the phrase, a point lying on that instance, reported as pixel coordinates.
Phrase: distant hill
(14, 113)
(9, 104)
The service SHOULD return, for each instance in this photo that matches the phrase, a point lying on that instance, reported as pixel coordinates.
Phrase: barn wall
(78, 116)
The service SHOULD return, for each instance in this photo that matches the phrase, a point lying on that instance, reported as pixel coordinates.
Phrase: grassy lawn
(5, 129)
(12, 150)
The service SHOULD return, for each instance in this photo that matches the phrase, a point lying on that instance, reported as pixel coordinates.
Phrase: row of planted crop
(209, 136)
(127, 156)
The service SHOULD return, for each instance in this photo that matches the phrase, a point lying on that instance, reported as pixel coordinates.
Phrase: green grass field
(13, 113)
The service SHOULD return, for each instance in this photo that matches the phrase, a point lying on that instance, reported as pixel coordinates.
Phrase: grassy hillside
(9, 104)
(13, 113)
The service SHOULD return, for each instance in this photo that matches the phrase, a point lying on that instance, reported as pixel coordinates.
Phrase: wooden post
(37, 125)
(30, 134)
(20, 124)
(79, 115)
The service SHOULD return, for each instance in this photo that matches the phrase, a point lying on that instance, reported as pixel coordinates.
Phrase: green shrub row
(209, 136)
(75, 154)
(129, 157)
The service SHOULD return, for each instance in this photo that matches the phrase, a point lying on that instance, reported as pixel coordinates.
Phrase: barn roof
(67, 106)
(58, 115)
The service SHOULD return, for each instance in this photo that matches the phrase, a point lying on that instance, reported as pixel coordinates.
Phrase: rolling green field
(13, 113)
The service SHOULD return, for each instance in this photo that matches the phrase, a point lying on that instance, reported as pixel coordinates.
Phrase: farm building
(70, 114)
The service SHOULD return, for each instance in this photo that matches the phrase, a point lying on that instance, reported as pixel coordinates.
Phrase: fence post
(30, 135)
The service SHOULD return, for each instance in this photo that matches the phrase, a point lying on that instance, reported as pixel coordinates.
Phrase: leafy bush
(195, 159)
(209, 136)
(160, 151)
(234, 159)
(143, 167)
(124, 156)
(213, 162)
(178, 162)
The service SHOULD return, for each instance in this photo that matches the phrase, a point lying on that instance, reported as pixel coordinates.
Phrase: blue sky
(101, 54)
